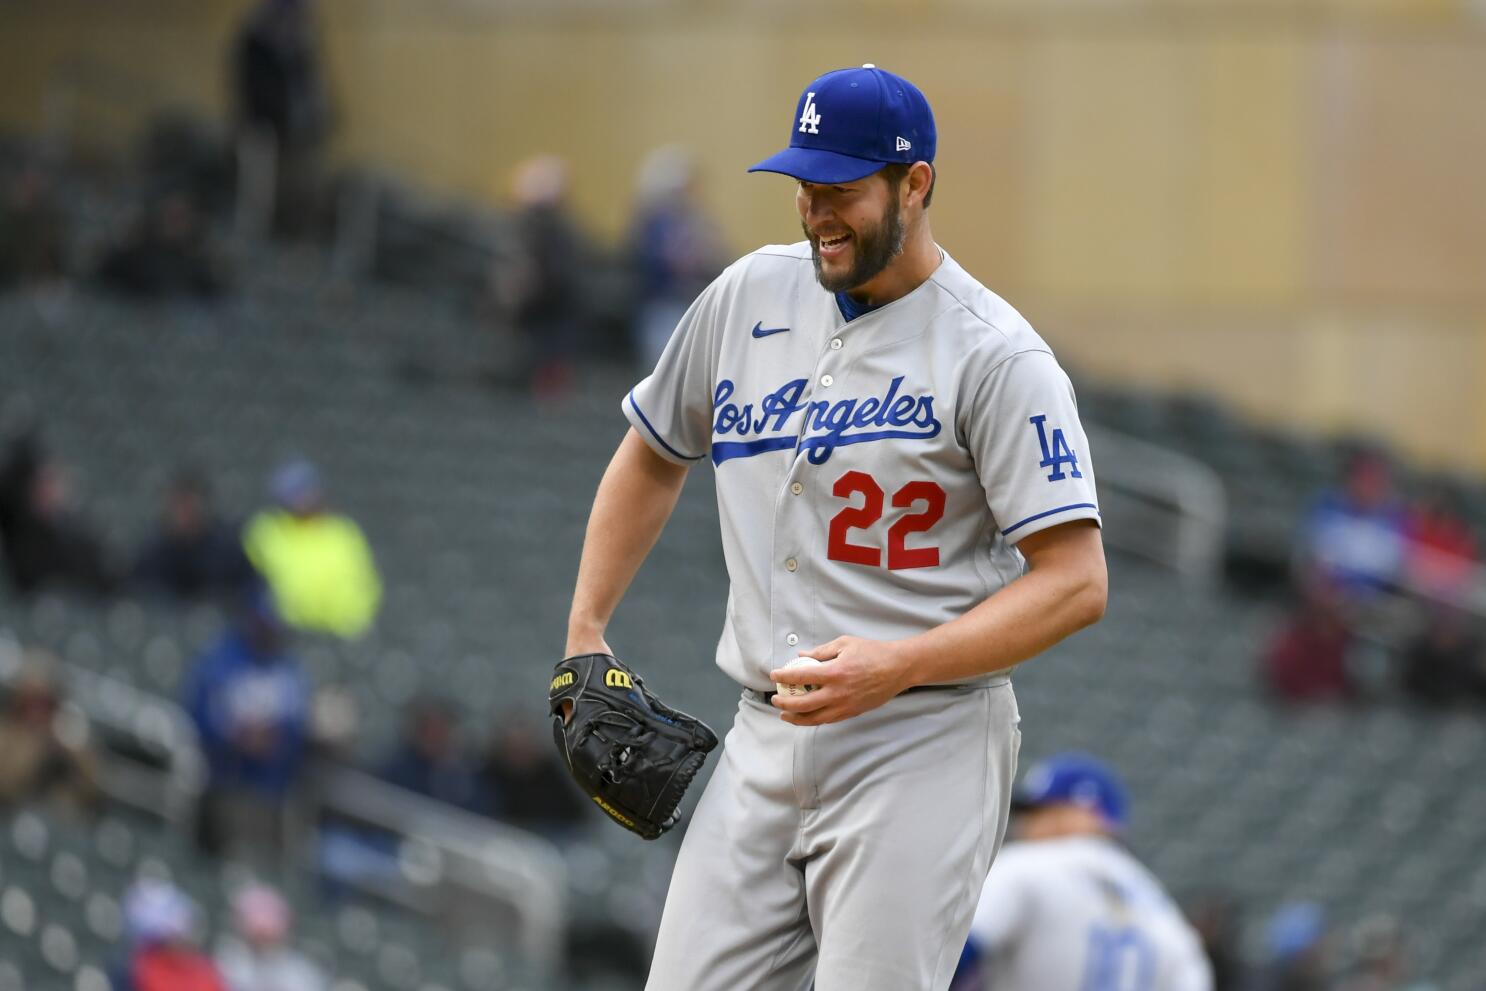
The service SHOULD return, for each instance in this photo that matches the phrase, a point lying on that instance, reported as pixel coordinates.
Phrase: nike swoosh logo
(759, 330)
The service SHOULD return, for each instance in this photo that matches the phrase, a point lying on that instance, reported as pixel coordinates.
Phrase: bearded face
(848, 254)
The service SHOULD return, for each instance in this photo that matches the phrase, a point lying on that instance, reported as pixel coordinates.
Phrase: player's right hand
(861, 675)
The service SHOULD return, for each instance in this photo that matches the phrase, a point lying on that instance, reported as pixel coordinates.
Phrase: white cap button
(792, 640)
(868, 65)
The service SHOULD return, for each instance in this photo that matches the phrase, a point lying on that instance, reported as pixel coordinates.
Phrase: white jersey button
(796, 488)
(791, 565)
(791, 639)
(835, 344)
(827, 381)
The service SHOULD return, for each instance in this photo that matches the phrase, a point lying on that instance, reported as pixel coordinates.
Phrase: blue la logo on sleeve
(1057, 453)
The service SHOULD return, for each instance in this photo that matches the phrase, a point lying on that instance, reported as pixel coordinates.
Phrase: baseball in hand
(794, 691)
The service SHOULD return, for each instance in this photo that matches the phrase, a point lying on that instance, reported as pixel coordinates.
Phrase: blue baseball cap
(1075, 779)
(850, 123)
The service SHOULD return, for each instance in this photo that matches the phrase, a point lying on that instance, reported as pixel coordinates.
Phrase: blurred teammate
(1067, 908)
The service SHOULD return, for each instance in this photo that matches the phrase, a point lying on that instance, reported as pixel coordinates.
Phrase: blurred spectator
(283, 116)
(1445, 665)
(1381, 955)
(166, 252)
(540, 286)
(335, 725)
(428, 760)
(43, 541)
(161, 922)
(194, 555)
(317, 562)
(1354, 537)
(1215, 918)
(249, 699)
(526, 783)
(1306, 661)
(1441, 560)
(259, 957)
(677, 248)
(45, 755)
(31, 231)
(1298, 949)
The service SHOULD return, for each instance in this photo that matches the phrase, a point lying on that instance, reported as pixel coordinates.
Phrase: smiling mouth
(831, 246)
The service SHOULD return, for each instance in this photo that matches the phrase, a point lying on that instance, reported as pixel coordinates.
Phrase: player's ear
(919, 181)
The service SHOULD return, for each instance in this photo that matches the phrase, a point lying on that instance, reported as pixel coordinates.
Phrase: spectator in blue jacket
(195, 554)
(1354, 537)
(250, 700)
(428, 760)
(676, 246)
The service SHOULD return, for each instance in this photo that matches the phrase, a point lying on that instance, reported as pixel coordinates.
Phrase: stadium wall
(1281, 203)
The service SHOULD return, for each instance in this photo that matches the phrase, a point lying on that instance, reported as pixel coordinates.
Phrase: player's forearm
(635, 498)
(1061, 594)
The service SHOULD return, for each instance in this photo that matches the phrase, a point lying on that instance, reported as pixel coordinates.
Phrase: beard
(873, 249)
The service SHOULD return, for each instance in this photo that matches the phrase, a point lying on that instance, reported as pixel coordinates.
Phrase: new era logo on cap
(875, 118)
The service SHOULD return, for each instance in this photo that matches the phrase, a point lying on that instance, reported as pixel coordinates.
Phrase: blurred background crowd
(295, 451)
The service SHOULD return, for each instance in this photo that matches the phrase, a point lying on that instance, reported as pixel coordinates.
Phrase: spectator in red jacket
(1307, 659)
(1440, 558)
(162, 924)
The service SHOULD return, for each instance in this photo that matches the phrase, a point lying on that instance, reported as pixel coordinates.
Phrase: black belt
(768, 697)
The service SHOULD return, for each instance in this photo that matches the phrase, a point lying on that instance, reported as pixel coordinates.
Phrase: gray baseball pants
(851, 854)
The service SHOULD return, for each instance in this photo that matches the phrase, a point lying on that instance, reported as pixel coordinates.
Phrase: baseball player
(908, 510)
(1068, 908)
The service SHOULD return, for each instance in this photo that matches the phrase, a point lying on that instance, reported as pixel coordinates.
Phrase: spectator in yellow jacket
(317, 563)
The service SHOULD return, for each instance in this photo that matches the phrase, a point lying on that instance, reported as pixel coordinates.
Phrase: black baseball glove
(631, 753)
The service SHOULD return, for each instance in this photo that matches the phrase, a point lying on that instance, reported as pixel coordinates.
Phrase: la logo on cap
(810, 119)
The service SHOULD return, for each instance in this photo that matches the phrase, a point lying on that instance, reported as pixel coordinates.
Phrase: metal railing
(456, 857)
(1161, 505)
(160, 770)
(454, 863)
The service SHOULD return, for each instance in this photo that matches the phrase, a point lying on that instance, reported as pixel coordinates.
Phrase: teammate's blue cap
(1076, 779)
(850, 123)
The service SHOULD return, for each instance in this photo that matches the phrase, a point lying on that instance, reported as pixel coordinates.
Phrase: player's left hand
(858, 675)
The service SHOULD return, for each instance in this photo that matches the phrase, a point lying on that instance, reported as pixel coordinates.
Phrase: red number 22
(899, 554)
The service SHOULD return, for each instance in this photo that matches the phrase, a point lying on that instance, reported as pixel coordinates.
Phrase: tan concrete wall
(1283, 203)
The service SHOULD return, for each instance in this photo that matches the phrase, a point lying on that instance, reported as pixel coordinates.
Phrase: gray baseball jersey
(1082, 914)
(874, 475)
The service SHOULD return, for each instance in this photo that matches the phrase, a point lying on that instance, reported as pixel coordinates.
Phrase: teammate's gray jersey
(1082, 914)
(873, 476)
